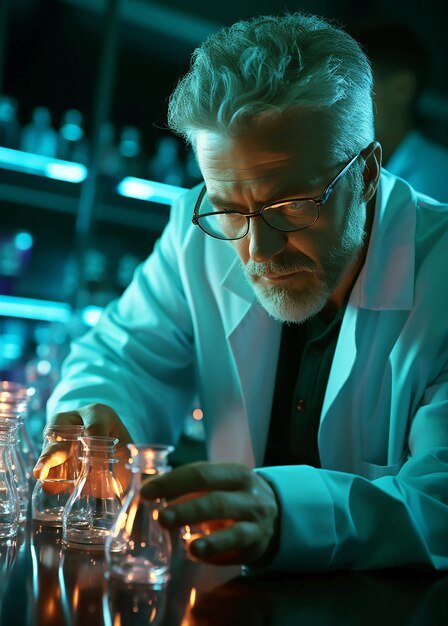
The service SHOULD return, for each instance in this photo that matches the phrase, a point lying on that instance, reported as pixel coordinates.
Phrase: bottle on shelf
(130, 152)
(165, 166)
(9, 124)
(38, 136)
(72, 143)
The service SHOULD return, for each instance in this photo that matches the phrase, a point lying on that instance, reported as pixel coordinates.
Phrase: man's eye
(292, 206)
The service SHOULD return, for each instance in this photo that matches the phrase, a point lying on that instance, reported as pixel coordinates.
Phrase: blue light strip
(44, 310)
(19, 161)
(150, 190)
(139, 188)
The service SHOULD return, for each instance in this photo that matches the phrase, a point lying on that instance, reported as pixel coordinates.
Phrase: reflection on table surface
(42, 583)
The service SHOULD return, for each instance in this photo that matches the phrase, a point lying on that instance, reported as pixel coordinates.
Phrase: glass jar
(139, 548)
(9, 494)
(59, 475)
(13, 406)
(94, 505)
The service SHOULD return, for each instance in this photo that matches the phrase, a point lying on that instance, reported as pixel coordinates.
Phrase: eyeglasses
(288, 216)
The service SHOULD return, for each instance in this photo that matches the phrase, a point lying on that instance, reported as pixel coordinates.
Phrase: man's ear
(372, 169)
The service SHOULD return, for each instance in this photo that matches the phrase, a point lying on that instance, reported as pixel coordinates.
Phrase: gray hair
(269, 64)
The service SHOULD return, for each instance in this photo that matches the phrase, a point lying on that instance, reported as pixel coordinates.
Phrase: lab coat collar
(386, 281)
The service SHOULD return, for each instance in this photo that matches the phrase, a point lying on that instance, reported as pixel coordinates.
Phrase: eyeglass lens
(287, 216)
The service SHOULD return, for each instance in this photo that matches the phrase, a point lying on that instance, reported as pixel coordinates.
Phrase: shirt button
(301, 405)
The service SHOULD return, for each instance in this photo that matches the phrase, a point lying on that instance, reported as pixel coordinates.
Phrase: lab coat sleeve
(138, 359)
(335, 520)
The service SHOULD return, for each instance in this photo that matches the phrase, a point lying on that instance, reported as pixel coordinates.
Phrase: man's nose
(264, 241)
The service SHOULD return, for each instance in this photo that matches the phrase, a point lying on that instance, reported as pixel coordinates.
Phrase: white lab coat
(189, 323)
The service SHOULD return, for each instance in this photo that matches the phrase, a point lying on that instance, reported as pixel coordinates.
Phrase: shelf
(139, 203)
(45, 310)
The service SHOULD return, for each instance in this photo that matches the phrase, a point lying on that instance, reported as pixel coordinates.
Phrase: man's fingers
(202, 476)
(233, 545)
(52, 460)
(66, 418)
(101, 420)
(215, 505)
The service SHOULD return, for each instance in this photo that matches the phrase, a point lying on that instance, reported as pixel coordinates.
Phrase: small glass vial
(139, 548)
(9, 494)
(59, 475)
(94, 505)
(13, 406)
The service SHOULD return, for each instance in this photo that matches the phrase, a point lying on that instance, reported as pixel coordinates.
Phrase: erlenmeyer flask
(13, 405)
(59, 474)
(94, 505)
(9, 495)
(139, 548)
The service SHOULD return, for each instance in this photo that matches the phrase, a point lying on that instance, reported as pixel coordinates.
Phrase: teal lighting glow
(149, 190)
(45, 310)
(91, 314)
(19, 161)
(72, 132)
(32, 309)
(23, 240)
(64, 170)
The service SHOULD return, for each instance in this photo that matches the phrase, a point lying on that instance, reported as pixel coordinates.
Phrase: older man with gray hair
(301, 294)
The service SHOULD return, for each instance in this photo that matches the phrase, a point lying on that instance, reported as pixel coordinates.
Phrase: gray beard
(291, 305)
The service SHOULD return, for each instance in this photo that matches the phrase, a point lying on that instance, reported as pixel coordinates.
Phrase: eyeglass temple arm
(330, 187)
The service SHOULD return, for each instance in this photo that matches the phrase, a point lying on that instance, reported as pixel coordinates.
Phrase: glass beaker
(59, 474)
(94, 505)
(13, 406)
(9, 494)
(139, 548)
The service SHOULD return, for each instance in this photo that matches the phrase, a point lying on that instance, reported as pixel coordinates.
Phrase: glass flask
(13, 406)
(9, 494)
(59, 475)
(139, 548)
(94, 505)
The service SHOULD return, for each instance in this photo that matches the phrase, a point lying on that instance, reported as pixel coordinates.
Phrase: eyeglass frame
(319, 202)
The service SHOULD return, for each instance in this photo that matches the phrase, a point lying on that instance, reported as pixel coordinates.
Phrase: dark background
(50, 56)
(52, 48)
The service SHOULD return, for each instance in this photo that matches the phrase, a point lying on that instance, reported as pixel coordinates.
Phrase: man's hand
(98, 420)
(242, 501)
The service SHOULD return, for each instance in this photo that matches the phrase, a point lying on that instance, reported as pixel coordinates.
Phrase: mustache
(283, 265)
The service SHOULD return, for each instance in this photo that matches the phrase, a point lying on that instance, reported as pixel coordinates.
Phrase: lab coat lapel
(385, 283)
(254, 339)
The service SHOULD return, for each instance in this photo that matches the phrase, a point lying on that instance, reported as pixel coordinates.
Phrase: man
(305, 305)
(400, 67)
